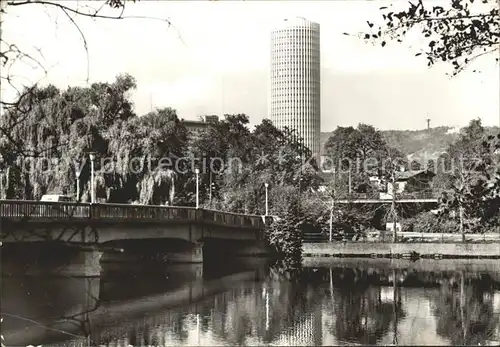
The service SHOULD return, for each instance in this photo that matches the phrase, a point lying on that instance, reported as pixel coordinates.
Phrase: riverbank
(403, 250)
(420, 265)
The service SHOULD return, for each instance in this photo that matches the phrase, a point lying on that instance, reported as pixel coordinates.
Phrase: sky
(215, 59)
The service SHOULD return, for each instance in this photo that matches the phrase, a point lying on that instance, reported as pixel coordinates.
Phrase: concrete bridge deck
(186, 232)
(26, 210)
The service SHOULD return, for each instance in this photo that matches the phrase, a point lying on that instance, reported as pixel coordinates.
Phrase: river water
(333, 302)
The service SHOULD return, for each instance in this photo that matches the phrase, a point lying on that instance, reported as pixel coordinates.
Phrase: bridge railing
(141, 212)
(229, 218)
(27, 208)
(24, 209)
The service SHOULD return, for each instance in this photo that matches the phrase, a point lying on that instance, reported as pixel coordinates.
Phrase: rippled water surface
(333, 303)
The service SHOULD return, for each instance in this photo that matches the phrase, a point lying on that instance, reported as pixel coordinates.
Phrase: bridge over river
(185, 232)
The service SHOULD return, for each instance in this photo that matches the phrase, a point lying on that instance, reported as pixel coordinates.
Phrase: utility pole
(350, 181)
(77, 186)
(1, 183)
(1, 176)
(92, 178)
(333, 205)
(197, 172)
(393, 206)
(461, 217)
(267, 201)
(210, 190)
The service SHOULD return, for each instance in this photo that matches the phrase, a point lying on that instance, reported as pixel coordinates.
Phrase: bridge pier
(168, 250)
(33, 297)
(50, 258)
(216, 249)
(177, 251)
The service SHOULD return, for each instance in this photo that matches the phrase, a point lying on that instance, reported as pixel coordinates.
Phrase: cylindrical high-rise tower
(295, 79)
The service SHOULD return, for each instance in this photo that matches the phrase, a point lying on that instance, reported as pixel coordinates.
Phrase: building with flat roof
(196, 127)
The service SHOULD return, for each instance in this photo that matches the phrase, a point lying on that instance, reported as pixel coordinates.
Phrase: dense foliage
(471, 173)
(61, 128)
(146, 159)
(151, 160)
(467, 173)
(285, 236)
(427, 222)
(246, 160)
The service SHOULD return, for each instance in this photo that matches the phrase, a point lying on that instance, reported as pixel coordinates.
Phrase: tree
(349, 144)
(246, 160)
(58, 130)
(342, 144)
(458, 34)
(356, 154)
(163, 141)
(426, 222)
(135, 155)
(474, 179)
(285, 235)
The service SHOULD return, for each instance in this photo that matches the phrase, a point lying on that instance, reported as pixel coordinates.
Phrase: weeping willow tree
(55, 131)
(158, 188)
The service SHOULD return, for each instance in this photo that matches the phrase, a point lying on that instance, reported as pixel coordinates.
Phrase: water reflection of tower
(308, 330)
(317, 326)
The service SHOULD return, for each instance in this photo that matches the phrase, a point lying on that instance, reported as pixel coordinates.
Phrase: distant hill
(418, 142)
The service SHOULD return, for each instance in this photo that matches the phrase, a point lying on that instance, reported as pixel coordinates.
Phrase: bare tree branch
(85, 45)
(19, 109)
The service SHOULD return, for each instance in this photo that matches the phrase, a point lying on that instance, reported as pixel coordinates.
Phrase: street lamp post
(267, 205)
(197, 172)
(1, 176)
(92, 181)
(300, 192)
(210, 190)
(77, 173)
(1, 183)
(350, 181)
(333, 203)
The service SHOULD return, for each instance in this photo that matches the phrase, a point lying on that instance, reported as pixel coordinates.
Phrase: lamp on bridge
(92, 181)
(197, 172)
(267, 206)
(1, 177)
(77, 175)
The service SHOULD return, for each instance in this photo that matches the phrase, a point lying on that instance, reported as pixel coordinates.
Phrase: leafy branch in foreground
(460, 34)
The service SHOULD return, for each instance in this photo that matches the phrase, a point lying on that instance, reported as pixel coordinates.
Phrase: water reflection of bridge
(35, 314)
(241, 306)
